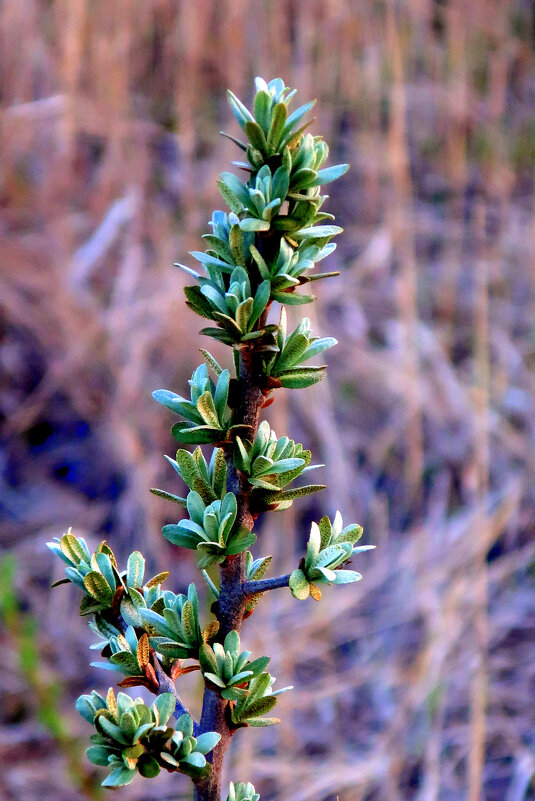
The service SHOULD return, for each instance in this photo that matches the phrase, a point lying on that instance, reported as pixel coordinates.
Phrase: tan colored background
(418, 683)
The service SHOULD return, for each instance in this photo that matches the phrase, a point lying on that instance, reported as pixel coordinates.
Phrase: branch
(167, 685)
(253, 587)
(231, 603)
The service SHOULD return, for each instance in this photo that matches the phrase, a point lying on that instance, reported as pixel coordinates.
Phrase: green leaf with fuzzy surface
(299, 585)
(119, 778)
(135, 570)
(97, 586)
(168, 496)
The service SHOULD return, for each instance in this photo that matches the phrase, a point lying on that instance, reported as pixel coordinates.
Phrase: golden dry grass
(416, 685)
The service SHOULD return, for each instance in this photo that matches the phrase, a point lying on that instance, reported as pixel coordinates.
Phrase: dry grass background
(418, 684)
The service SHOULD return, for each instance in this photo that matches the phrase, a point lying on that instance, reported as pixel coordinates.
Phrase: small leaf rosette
(227, 669)
(329, 547)
(285, 367)
(207, 415)
(133, 738)
(270, 464)
(175, 633)
(242, 792)
(255, 702)
(209, 479)
(210, 529)
(99, 577)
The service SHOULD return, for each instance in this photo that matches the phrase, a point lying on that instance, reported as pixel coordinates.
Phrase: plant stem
(231, 604)
(167, 685)
(252, 587)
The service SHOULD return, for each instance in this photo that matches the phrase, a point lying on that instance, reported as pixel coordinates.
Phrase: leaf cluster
(253, 703)
(242, 792)
(227, 669)
(270, 464)
(208, 479)
(175, 630)
(105, 587)
(329, 547)
(284, 367)
(210, 529)
(134, 738)
(207, 415)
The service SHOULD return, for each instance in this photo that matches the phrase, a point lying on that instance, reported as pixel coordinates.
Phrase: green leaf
(346, 576)
(206, 407)
(258, 687)
(98, 755)
(206, 742)
(297, 115)
(113, 731)
(317, 231)
(258, 665)
(204, 490)
(194, 759)
(292, 298)
(211, 362)
(168, 496)
(135, 570)
(215, 679)
(236, 244)
(220, 473)
(243, 313)
(195, 435)
(258, 722)
(178, 536)
(261, 706)
(261, 300)
(329, 174)
(105, 567)
(297, 492)
(232, 642)
(187, 467)
(239, 541)
(85, 708)
(166, 707)
(119, 777)
(156, 620)
(256, 136)
(127, 662)
(253, 224)
(241, 112)
(207, 659)
(301, 377)
(128, 726)
(97, 586)
(302, 179)
(282, 466)
(279, 115)
(238, 142)
(319, 346)
(189, 623)
(262, 109)
(197, 302)
(72, 549)
(148, 767)
(219, 246)
(130, 613)
(299, 586)
(232, 200)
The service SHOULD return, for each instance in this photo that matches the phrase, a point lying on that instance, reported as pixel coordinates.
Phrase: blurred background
(417, 684)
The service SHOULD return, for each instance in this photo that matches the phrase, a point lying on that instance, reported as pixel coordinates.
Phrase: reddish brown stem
(231, 604)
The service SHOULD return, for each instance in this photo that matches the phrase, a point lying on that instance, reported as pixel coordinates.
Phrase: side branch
(167, 685)
(254, 587)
